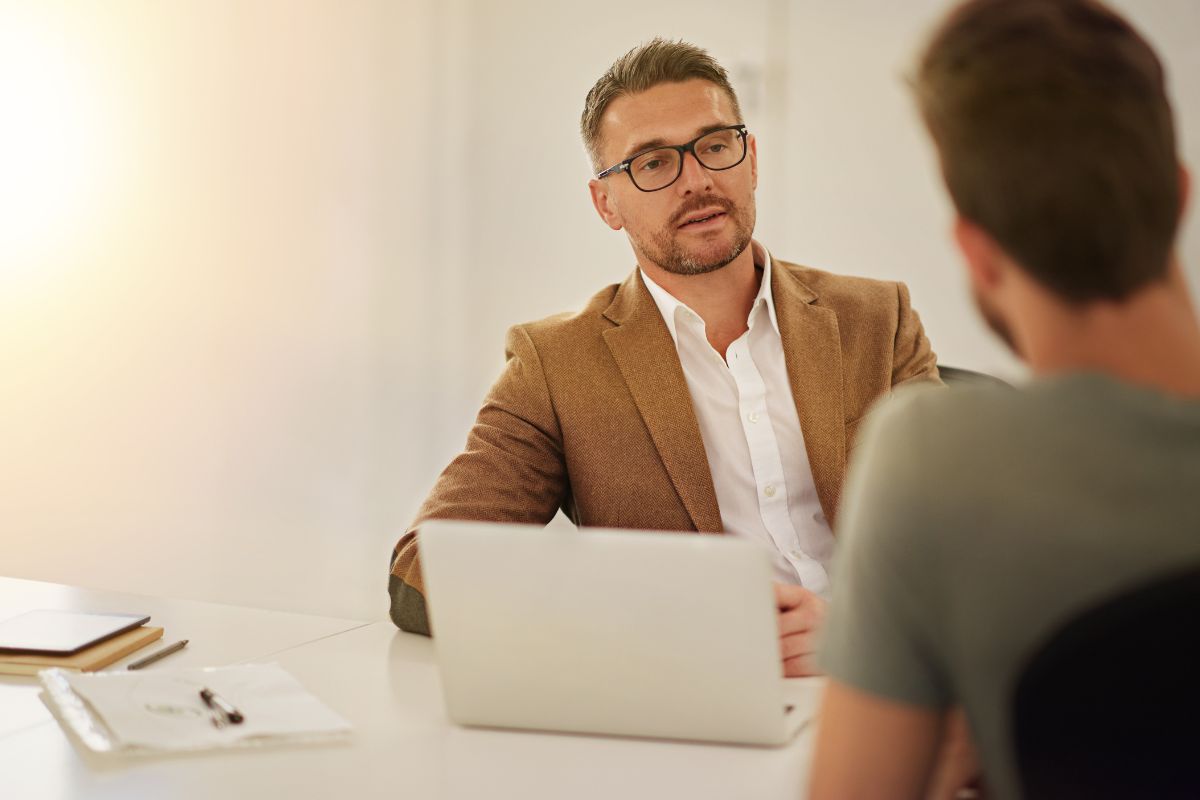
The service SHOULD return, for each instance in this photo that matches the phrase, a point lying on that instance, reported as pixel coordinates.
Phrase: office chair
(957, 376)
(1110, 707)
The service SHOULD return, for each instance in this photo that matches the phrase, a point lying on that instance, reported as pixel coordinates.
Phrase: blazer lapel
(644, 352)
(813, 354)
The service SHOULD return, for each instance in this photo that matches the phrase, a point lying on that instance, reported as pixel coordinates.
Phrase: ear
(752, 143)
(983, 256)
(605, 206)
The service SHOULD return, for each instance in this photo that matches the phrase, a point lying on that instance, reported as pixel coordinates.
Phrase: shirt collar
(668, 306)
(765, 295)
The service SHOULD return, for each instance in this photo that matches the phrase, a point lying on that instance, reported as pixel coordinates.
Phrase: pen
(166, 651)
(220, 704)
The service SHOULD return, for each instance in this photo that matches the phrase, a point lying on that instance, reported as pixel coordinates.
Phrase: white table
(216, 634)
(386, 683)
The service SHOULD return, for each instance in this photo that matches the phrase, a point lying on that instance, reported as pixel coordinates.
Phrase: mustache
(698, 203)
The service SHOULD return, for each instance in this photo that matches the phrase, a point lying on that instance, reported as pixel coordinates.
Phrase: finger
(815, 605)
(789, 596)
(797, 620)
(798, 644)
(957, 767)
(800, 667)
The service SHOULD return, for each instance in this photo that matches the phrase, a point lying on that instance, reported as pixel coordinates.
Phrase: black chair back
(1110, 707)
(957, 376)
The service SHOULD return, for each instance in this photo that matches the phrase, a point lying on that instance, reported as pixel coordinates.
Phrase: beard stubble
(664, 249)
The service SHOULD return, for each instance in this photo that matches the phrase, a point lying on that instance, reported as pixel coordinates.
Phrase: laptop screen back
(615, 632)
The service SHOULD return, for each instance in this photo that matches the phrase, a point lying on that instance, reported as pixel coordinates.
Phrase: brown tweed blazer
(592, 413)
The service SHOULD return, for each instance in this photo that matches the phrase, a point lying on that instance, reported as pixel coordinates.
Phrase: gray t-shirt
(979, 520)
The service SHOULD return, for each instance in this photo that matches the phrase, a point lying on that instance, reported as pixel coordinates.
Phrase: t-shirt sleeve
(880, 636)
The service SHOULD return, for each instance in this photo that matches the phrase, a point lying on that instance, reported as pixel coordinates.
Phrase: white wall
(247, 318)
(210, 383)
(865, 196)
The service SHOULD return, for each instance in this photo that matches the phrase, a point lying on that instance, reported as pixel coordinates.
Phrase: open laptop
(607, 632)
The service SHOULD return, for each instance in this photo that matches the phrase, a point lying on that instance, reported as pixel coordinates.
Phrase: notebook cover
(58, 632)
(98, 656)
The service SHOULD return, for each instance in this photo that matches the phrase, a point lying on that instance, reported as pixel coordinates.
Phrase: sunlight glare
(49, 146)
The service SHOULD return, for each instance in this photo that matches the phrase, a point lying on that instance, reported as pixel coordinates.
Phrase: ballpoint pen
(166, 651)
(222, 706)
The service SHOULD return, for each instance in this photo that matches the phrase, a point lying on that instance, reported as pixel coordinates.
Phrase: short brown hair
(645, 66)
(1055, 135)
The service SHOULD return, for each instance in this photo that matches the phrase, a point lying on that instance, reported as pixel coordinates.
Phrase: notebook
(60, 633)
(90, 659)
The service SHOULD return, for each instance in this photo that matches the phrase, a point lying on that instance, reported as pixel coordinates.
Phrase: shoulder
(570, 332)
(942, 426)
(586, 319)
(841, 291)
(929, 457)
(938, 428)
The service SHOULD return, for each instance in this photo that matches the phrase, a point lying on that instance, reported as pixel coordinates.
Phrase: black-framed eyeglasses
(659, 167)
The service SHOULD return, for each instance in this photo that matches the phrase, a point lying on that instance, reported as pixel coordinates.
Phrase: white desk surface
(217, 634)
(386, 683)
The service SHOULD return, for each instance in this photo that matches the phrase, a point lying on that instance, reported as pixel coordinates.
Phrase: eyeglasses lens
(658, 169)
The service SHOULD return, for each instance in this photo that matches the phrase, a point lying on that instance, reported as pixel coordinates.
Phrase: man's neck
(722, 298)
(1151, 339)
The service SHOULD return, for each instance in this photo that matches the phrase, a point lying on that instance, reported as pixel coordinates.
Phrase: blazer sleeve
(512, 470)
(912, 357)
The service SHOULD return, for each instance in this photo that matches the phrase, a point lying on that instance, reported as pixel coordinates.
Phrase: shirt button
(769, 490)
(752, 416)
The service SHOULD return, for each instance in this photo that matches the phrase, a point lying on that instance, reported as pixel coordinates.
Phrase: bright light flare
(51, 144)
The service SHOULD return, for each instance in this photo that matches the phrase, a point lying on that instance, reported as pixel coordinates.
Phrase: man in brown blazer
(714, 390)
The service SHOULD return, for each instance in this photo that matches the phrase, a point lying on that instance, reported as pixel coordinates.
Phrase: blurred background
(257, 257)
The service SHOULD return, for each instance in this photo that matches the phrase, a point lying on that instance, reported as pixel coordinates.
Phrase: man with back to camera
(714, 390)
(1057, 145)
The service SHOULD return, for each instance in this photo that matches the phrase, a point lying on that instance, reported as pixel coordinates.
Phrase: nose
(694, 177)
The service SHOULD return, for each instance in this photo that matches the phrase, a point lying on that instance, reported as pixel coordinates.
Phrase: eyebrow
(651, 144)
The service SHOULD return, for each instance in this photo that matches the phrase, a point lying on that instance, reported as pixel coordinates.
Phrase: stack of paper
(98, 656)
(71, 640)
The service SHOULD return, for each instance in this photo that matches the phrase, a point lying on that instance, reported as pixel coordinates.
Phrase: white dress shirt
(751, 434)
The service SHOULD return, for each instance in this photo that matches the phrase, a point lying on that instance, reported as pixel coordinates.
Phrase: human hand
(800, 616)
